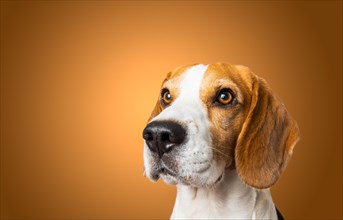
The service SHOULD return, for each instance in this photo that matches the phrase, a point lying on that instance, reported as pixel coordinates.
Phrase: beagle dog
(223, 137)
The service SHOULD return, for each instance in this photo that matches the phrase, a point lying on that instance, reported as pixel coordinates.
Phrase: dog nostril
(148, 136)
(165, 137)
(175, 138)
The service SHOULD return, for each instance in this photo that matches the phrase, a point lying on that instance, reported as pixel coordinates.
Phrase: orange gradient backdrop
(79, 80)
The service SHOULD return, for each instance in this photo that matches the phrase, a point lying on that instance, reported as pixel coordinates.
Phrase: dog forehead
(185, 81)
(175, 78)
(210, 78)
(184, 86)
(221, 73)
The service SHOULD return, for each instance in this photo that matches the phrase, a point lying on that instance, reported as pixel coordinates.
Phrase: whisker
(218, 151)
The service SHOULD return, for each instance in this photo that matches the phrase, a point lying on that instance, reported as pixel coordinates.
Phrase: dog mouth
(220, 178)
(170, 177)
(162, 171)
(166, 171)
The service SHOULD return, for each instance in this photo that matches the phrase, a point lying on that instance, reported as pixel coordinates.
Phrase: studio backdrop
(80, 79)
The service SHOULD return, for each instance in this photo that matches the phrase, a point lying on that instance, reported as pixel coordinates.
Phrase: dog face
(209, 118)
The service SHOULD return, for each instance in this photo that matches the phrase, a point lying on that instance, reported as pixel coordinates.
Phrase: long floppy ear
(267, 138)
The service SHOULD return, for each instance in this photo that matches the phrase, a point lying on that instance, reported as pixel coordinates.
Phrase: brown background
(79, 80)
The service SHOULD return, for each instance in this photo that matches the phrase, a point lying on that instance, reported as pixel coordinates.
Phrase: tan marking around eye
(172, 83)
(225, 123)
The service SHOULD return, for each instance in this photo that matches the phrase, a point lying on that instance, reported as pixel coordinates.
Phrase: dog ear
(267, 138)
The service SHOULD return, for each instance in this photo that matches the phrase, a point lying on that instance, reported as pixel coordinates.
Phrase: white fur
(229, 199)
(196, 154)
(199, 196)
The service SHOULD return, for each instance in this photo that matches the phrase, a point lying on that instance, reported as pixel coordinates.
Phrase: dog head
(209, 118)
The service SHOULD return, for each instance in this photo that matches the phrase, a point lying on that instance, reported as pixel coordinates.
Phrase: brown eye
(166, 97)
(224, 97)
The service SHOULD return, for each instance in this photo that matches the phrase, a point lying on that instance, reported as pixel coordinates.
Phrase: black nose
(163, 136)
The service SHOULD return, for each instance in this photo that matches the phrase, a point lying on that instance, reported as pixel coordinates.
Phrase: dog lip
(154, 176)
(204, 169)
(166, 171)
(219, 179)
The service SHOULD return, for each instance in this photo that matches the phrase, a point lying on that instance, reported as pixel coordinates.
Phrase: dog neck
(229, 199)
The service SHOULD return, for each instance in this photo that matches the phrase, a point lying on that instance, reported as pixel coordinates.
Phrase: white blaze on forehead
(189, 110)
(188, 105)
(190, 84)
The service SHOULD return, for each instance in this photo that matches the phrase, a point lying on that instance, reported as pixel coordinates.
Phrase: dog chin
(170, 180)
(209, 179)
(196, 181)
(190, 181)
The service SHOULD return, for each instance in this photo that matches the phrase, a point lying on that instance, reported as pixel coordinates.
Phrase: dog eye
(224, 97)
(166, 97)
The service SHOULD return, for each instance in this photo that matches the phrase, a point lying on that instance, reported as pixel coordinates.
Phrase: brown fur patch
(257, 134)
(225, 123)
(267, 138)
(172, 83)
